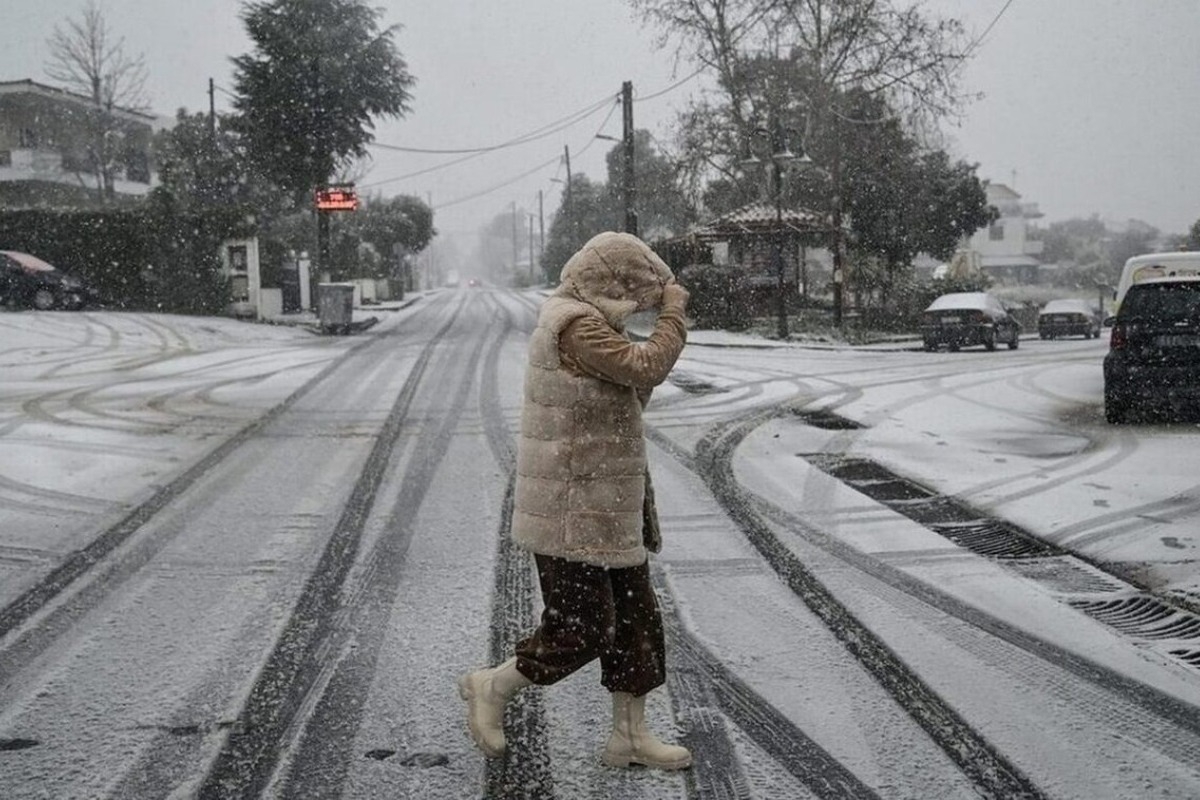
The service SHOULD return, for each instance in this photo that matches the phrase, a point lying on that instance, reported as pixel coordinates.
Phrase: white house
(1004, 249)
(44, 141)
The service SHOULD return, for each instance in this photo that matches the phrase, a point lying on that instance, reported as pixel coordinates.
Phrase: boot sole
(467, 692)
(624, 762)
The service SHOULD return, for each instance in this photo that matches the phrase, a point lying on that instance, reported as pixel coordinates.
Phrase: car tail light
(1119, 338)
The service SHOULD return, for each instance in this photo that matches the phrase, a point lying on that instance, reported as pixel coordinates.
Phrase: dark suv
(1153, 361)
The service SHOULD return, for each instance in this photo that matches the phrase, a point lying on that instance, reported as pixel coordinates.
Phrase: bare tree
(796, 61)
(89, 61)
(795, 71)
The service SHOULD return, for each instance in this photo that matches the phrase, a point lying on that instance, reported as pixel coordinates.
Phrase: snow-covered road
(241, 560)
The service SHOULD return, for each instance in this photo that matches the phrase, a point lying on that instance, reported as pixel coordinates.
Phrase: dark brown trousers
(593, 612)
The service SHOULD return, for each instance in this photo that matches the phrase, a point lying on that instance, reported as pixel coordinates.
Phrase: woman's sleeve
(607, 354)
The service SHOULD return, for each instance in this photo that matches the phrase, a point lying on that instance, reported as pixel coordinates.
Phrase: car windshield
(1163, 303)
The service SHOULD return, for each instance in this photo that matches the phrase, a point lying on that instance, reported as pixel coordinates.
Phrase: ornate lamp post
(777, 138)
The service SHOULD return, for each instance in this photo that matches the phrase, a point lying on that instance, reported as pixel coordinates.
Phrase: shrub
(719, 299)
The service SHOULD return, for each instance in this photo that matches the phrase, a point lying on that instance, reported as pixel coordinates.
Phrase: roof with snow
(759, 218)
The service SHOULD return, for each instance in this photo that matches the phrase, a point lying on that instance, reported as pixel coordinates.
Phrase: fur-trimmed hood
(618, 274)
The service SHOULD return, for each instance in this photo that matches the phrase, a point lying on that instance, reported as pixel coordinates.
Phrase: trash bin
(335, 306)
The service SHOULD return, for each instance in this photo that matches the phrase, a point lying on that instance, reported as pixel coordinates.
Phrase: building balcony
(38, 165)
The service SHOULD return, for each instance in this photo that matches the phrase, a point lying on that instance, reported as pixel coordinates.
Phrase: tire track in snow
(324, 754)
(715, 458)
(250, 752)
(523, 772)
(993, 775)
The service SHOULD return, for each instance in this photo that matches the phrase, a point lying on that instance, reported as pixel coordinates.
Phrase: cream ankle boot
(632, 743)
(487, 692)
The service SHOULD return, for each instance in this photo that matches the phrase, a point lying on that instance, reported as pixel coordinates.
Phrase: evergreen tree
(320, 71)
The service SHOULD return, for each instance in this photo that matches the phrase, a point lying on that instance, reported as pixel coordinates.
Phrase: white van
(1155, 265)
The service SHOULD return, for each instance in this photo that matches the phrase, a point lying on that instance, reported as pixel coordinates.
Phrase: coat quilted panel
(581, 459)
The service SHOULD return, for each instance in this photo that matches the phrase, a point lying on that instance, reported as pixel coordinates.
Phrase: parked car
(1069, 318)
(962, 319)
(1153, 360)
(1155, 265)
(29, 282)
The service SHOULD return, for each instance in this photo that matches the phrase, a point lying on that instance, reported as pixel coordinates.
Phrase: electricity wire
(540, 133)
(978, 39)
(475, 153)
(543, 132)
(527, 173)
(670, 88)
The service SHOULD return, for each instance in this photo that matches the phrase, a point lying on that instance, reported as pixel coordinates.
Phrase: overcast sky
(1089, 106)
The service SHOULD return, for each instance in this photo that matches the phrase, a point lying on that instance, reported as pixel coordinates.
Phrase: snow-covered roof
(26, 86)
(758, 218)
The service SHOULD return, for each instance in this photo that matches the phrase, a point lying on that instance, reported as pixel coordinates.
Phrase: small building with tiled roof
(748, 239)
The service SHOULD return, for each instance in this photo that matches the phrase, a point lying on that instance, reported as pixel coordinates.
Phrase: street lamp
(777, 137)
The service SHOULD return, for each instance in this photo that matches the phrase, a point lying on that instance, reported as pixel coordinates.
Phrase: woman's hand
(675, 295)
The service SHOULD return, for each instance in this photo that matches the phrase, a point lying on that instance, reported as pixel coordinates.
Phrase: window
(27, 139)
(137, 167)
(996, 232)
(5, 158)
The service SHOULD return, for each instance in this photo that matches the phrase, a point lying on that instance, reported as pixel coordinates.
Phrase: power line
(971, 48)
(539, 133)
(527, 173)
(496, 187)
(420, 172)
(670, 88)
(475, 153)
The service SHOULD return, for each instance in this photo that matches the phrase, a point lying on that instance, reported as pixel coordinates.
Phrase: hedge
(146, 258)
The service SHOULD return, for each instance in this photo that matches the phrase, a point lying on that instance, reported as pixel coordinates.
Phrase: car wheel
(952, 347)
(43, 299)
(930, 346)
(988, 337)
(1116, 411)
(1015, 342)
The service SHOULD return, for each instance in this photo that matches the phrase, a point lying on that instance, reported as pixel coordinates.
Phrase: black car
(962, 319)
(29, 282)
(1153, 361)
(1069, 317)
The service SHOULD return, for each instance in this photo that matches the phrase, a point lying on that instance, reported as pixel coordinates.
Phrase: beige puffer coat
(581, 457)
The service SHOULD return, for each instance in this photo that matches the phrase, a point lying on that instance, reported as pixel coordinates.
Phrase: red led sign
(339, 198)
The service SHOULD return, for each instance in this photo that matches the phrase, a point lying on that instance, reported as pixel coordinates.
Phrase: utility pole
(531, 273)
(839, 256)
(541, 227)
(430, 266)
(628, 190)
(514, 236)
(319, 179)
(212, 110)
(572, 238)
